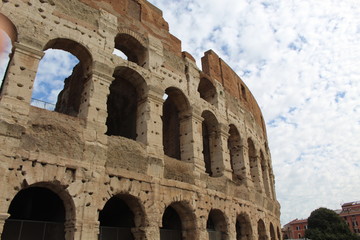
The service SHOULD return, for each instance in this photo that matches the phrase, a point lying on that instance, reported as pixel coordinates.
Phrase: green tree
(325, 224)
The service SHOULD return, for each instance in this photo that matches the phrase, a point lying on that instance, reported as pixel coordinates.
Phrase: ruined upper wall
(142, 15)
(216, 68)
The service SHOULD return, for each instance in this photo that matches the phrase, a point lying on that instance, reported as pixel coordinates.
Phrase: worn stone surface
(200, 152)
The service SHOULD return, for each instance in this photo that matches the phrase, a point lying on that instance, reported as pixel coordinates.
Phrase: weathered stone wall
(74, 158)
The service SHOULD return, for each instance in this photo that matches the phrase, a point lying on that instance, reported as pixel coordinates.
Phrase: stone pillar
(94, 110)
(266, 180)
(86, 230)
(191, 140)
(19, 80)
(239, 163)
(224, 150)
(247, 171)
(3, 217)
(149, 129)
(256, 173)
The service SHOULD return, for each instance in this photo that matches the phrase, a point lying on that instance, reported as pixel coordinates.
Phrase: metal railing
(42, 104)
(30, 230)
(115, 233)
(170, 234)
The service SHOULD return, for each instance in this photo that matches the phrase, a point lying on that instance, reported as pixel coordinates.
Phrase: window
(297, 227)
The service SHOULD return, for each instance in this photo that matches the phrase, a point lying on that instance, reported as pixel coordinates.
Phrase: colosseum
(147, 146)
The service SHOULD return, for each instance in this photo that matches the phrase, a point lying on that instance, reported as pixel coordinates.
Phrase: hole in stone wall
(57, 69)
(37, 213)
(216, 225)
(272, 232)
(175, 103)
(243, 228)
(171, 129)
(261, 230)
(207, 90)
(171, 225)
(234, 146)
(63, 59)
(126, 92)
(206, 148)
(121, 106)
(210, 142)
(130, 48)
(116, 219)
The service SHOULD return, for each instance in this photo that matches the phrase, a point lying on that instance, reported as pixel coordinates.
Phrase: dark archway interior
(37, 204)
(171, 219)
(243, 229)
(206, 148)
(261, 230)
(132, 48)
(122, 109)
(171, 128)
(207, 90)
(116, 220)
(116, 213)
(35, 213)
(272, 232)
(209, 137)
(234, 145)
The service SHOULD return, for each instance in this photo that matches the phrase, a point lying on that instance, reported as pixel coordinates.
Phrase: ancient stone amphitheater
(150, 147)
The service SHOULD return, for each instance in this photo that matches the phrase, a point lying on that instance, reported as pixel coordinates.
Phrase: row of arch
(37, 212)
(127, 94)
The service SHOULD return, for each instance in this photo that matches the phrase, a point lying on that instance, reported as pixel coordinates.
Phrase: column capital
(29, 50)
(4, 216)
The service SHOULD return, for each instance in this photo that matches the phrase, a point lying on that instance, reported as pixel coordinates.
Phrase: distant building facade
(295, 229)
(350, 212)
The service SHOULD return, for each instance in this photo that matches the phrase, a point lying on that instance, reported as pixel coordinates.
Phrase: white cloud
(4, 56)
(300, 60)
(54, 68)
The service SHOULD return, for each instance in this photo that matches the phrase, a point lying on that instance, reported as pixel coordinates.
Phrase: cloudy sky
(300, 58)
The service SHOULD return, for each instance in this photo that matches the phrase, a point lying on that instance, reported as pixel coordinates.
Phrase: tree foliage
(325, 224)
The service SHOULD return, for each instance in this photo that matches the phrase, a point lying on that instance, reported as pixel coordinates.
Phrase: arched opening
(63, 59)
(216, 225)
(173, 120)
(131, 48)
(171, 225)
(243, 228)
(236, 153)
(253, 161)
(35, 213)
(126, 93)
(261, 230)
(120, 218)
(178, 222)
(207, 90)
(8, 35)
(272, 232)
(278, 234)
(210, 138)
(264, 170)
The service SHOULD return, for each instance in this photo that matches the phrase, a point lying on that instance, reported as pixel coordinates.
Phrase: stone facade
(151, 144)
